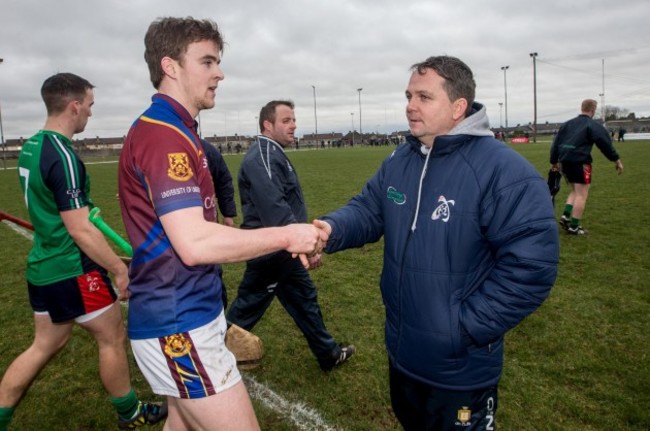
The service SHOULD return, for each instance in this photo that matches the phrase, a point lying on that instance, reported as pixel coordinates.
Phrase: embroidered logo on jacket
(398, 197)
(443, 211)
(179, 167)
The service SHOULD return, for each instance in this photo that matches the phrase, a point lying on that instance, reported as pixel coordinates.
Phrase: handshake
(307, 241)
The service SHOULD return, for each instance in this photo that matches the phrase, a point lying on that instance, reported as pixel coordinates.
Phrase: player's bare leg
(49, 339)
(580, 194)
(110, 334)
(230, 410)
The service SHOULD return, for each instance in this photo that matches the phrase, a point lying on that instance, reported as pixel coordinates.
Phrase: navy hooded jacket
(471, 248)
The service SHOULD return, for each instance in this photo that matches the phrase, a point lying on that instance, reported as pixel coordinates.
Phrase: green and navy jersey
(53, 179)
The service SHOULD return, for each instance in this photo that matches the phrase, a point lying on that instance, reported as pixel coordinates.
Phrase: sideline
(634, 137)
(13, 168)
(300, 415)
(19, 230)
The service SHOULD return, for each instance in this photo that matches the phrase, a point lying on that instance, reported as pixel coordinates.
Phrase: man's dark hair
(60, 89)
(268, 111)
(459, 79)
(170, 37)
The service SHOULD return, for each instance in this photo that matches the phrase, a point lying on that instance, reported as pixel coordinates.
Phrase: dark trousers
(421, 407)
(282, 276)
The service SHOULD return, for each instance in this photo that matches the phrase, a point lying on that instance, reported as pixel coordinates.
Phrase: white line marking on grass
(302, 416)
(19, 229)
(13, 168)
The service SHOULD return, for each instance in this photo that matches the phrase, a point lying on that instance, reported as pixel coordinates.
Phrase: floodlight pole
(2, 137)
(505, 90)
(315, 117)
(500, 114)
(602, 95)
(534, 56)
(360, 128)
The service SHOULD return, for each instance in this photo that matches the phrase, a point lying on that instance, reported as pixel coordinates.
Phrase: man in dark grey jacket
(271, 196)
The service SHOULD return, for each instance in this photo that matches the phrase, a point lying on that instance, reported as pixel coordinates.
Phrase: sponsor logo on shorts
(179, 167)
(93, 283)
(177, 345)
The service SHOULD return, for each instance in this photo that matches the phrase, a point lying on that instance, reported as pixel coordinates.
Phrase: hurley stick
(96, 219)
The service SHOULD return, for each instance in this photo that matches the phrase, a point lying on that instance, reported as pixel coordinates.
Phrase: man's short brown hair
(170, 37)
(268, 111)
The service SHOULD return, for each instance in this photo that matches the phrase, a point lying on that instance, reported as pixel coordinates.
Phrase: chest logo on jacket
(443, 211)
(398, 197)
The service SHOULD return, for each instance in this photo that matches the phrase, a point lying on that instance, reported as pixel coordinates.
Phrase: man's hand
(305, 241)
(121, 281)
(323, 226)
(619, 166)
(555, 167)
(229, 221)
(315, 261)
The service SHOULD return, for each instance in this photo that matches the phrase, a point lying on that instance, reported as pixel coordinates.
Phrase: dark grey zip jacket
(268, 187)
(576, 138)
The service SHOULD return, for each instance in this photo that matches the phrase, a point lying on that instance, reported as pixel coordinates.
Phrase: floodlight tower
(2, 137)
(360, 128)
(500, 114)
(602, 95)
(315, 117)
(505, 90)
(534, 56)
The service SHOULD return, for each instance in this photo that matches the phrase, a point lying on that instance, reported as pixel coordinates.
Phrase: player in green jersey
(68, 265)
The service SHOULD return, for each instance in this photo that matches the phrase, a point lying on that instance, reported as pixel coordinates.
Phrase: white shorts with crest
(194, 364)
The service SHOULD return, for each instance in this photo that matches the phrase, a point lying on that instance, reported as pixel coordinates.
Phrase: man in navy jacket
(471, 249)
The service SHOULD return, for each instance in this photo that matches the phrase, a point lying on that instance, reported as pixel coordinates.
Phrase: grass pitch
(579, 363)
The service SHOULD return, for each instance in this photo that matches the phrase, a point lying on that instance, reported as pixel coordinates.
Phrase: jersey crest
(179, 167)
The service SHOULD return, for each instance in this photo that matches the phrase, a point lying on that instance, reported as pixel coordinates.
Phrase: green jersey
(53, 179)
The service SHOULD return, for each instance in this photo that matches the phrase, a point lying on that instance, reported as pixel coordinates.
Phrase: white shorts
(194, 364)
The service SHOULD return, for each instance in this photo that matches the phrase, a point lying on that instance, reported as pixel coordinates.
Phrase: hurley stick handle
(96, 219)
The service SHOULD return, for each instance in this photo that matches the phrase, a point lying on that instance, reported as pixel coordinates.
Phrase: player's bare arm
(93, 243)
(198, 241)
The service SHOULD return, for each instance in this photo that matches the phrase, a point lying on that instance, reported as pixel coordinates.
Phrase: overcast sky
(281, 48)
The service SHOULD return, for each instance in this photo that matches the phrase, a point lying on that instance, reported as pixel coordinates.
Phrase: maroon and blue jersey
(162, 169)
